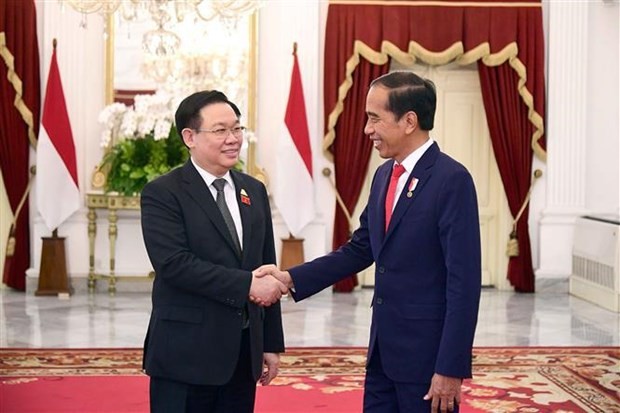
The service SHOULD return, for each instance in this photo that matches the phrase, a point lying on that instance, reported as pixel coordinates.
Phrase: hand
(444, 392)
(269, 269)
(272, 362)
(266, 291)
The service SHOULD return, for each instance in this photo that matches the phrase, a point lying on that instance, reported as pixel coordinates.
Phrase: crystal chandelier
(163, 23)
(162, 41)
(206, 9)
(203, 61)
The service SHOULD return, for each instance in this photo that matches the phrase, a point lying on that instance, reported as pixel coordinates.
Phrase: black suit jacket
(201, 285)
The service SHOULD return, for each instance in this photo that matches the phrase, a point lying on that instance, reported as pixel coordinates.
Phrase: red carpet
(507, 380)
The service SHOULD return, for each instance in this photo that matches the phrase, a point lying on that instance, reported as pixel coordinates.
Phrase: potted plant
(140, 142)
(131, 163)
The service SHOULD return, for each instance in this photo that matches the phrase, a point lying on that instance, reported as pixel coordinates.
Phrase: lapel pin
(244, 197)
(412, 185)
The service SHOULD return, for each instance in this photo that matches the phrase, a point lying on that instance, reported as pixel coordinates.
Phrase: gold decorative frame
(252, 168)
(97, 200)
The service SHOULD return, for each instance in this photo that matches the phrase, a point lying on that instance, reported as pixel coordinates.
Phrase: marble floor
(546, 318)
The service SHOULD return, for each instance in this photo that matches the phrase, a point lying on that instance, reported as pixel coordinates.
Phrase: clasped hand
(268, 285)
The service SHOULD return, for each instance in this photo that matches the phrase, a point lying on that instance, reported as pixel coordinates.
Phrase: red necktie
(397, 171)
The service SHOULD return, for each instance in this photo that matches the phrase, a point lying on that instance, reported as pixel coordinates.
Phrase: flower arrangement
(141, 143)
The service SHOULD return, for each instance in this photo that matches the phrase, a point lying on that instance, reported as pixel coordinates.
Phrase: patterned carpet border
(583, 378)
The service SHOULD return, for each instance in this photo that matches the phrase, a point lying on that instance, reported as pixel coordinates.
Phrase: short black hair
(188, 112)
(410, 92)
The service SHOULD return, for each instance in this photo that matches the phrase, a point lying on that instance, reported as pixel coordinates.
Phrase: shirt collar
(410, 161)
(208, 177)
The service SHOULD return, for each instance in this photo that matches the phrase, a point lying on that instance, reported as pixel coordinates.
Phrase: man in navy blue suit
(420, 228)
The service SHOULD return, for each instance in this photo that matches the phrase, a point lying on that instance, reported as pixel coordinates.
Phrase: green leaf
(132, 163)
(137, 173)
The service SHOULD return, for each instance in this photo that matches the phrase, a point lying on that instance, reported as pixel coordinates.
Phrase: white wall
(80, 57)
(582, 125)
(603, 110)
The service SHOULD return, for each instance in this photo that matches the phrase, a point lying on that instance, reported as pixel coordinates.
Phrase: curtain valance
(436, 32)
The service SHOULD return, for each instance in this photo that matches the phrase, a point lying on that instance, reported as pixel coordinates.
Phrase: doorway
(461, 131)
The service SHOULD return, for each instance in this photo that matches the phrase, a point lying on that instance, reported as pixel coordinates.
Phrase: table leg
(92, 232)
(112, 234)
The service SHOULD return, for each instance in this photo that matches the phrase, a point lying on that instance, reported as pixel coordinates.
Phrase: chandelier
(161, 41)
(207, 27)
(204, 61)
(206, 9)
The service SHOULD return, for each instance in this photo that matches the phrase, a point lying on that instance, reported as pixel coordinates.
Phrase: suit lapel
(422, 172)
(197, 189)
(383, 181)
(243, 199)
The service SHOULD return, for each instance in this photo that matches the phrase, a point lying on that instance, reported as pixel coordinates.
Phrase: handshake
(269, 284)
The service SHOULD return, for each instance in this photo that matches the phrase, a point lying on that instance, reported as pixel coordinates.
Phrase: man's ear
(411, 121)
(188, 137)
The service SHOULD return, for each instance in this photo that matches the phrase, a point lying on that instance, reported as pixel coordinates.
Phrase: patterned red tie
(397, 171)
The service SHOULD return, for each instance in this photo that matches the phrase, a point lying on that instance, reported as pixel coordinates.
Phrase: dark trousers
(167, 396)
(383, 395)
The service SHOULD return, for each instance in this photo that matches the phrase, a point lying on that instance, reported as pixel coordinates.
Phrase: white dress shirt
(230, 194)
(409, 163)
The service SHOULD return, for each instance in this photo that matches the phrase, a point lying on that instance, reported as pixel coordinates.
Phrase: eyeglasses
(237, 131)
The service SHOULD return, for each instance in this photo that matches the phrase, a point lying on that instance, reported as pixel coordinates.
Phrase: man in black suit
(206, 227)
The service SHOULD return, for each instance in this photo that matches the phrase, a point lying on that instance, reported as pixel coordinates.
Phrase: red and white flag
(58, 192)
(294, 189)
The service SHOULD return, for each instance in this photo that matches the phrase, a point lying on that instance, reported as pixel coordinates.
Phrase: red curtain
(507, 119)
(494, 33)
(19, 121)
(351, 155)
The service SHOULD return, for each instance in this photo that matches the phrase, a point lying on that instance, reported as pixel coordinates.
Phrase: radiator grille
(593, 271)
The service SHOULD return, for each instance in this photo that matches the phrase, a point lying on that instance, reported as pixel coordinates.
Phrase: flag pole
(53, 278)
(292, 248)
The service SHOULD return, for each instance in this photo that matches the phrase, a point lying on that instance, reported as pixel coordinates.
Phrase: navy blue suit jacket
(428, 270)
